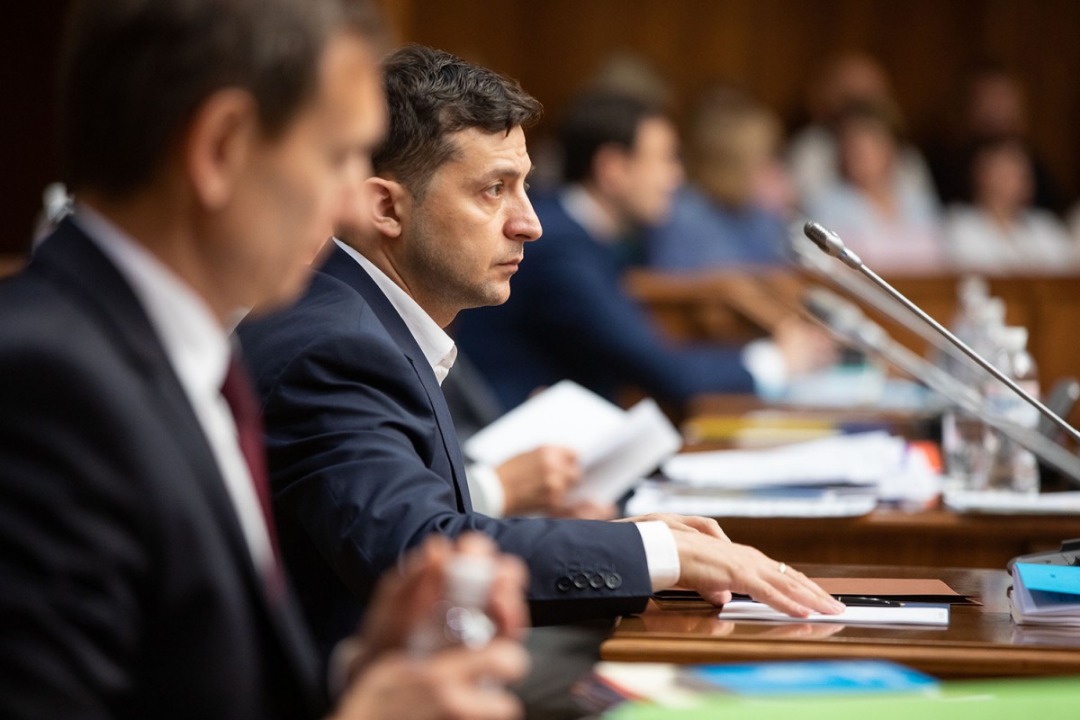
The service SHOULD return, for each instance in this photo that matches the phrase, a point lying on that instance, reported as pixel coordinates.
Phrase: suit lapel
(339, 265)
(73, 261)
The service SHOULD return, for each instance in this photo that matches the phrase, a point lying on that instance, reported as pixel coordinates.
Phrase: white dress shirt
(661, 553)
(198, 349)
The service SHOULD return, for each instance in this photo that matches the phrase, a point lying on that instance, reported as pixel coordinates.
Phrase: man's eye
(495, 190)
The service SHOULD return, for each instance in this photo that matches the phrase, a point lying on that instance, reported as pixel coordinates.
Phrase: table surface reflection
(980, 640)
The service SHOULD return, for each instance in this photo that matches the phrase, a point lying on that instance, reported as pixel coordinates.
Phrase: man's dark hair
(134, 72)
(433, 94)
(597, 119)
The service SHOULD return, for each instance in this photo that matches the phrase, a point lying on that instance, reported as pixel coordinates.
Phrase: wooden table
(937, 538)
(980, 641)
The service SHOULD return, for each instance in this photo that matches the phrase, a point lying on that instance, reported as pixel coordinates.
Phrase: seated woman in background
(890, 224)
(1001, 232)
(734, 211)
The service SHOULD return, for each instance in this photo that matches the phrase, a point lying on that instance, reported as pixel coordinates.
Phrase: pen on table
(867, 601)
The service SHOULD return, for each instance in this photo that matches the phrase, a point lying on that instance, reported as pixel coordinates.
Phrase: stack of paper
(1046, 594)
(616, 447)
(839, 476)
(862, 459)
(1012, 503)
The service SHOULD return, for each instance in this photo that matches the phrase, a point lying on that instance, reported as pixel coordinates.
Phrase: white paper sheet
(616, 447)
(908, 614)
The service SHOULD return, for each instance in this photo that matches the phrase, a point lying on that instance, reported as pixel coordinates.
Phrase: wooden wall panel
(769, 46)
(772, 47)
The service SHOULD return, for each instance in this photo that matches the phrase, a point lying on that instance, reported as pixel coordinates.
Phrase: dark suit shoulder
(330, 320)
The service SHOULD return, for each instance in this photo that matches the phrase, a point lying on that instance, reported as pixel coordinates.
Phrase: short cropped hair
(597, 119)
(432, 94)
(134, 72)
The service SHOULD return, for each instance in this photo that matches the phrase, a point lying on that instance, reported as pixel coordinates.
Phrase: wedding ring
(782, 568)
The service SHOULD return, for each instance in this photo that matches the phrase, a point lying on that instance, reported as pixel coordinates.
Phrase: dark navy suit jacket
(365, 464)
(568, 317)
(126, 587)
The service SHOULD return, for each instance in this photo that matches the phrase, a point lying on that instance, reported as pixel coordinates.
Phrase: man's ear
(387, 203)
(218, 143)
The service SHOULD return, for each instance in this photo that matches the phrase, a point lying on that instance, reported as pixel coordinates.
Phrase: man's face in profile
(464, 235)
(299, 182)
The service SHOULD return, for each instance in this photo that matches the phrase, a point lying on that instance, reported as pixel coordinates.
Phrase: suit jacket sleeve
(358, 466)
(564, 297)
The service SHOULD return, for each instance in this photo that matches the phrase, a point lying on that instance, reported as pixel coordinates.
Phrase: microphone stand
(832, 245)
(873, 296)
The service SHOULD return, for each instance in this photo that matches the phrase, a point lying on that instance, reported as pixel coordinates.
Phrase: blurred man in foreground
(211, 145)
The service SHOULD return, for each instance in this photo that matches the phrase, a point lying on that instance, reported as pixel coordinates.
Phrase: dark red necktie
(238, 393)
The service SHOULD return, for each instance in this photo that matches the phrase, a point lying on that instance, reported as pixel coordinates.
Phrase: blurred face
(298, 183)
(867, 151)
(463, 239)
(649, 173)
(1003, 179)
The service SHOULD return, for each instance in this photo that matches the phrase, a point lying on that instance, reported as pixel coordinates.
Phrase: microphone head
(830, 243)
(824, 238)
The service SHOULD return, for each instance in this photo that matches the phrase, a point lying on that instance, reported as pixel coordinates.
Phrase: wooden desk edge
(939, 661)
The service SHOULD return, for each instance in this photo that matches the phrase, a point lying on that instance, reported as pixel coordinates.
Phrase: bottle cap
(469, 578)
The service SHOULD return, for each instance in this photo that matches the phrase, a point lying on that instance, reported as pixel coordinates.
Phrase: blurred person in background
(893, 226)
(813, 152)
(735, 209)
(1001, 232)
(994, 106)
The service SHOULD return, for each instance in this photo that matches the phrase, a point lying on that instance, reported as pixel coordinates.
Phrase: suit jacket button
(581, 581)
(613, 581)
(596, 581)
(563, 584)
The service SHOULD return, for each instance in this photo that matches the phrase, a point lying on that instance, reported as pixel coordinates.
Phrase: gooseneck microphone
(832, 245)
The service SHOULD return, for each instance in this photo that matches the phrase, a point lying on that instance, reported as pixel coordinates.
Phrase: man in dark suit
(569, 316)
(364, 459)
(209, 143)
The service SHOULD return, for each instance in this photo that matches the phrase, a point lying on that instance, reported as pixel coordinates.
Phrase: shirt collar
(193, 339)
(583, 209)
(438, 347)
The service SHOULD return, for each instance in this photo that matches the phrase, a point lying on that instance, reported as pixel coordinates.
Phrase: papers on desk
(616, 447)
(1011, 503)
(899, 614)
(842, 476)
(861, 459)
(1045, 594)
(810, 503)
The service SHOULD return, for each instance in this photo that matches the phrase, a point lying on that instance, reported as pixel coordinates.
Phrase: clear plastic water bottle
(967, 442)
(973, 295)
(1013, 467)
(460, 617)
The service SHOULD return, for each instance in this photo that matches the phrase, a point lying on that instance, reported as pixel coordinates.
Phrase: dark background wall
(770, 47)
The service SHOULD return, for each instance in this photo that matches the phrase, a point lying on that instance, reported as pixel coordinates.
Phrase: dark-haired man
(365, 462)
(211, 145)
